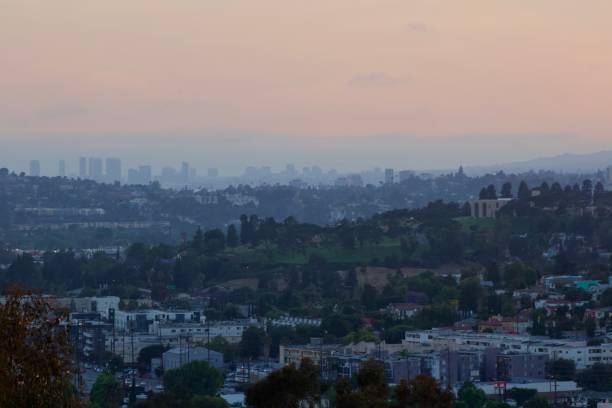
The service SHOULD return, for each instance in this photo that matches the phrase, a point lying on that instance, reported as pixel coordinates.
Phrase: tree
(470, 396)
(493, 274)
(483, 194)
(286, 388)
(372, 390)
(596, 378)
(147, 353)
(232, 236)
(207, 401)
(523, 192)
(598, 192)
(519, 276)
(538, 401)
(506, 191)
(590, 325)
(246, 231)
(606, 297)
(587, 191)
(422, 392)
(491, 192)
(198, 240)
(221, 345)
(106, 391)
(252, 342)
(195, 378)
(561, 369)
(521, 395)
(23, 271)
(470, 293)
(214, 241)
(35, 364)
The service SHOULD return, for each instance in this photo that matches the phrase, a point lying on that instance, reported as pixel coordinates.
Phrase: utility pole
(321, 352)
(133, 392)
(448, 370)
(78, 357)
(555, 379)
(208, 340)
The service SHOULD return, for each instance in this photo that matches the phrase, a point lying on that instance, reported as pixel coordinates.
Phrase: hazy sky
(342, 83)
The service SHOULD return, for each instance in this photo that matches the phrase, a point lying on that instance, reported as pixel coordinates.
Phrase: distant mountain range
(566, 163)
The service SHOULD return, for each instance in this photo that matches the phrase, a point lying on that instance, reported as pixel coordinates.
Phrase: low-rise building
(178, 356)
(487, 208)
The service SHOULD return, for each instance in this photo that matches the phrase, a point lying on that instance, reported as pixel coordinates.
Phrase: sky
(348, 84)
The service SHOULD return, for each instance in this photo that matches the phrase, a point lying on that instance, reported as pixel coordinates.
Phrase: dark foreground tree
(422, 392)
(371, 392)
(286, 388)
(561, 369)
(35, 364)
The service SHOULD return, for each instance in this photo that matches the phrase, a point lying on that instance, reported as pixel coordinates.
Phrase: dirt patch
(379, 276)
(230, 285)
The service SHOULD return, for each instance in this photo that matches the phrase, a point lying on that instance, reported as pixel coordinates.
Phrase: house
(401, 311)
(498, 324)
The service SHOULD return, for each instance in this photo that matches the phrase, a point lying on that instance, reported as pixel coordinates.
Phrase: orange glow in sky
(327, 69)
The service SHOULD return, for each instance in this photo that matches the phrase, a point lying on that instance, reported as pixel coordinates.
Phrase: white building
(487, 208)
(144, 318)
(101, 304)
(230, 330)
(293, 321)
(584, 356)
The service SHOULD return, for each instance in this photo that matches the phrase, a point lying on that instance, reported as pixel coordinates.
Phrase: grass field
(335, 254)
(468, 223)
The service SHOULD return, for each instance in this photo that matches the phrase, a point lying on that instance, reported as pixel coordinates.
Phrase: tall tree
(506, 191)
(232, 236)
(491, 192)
(523, 192)
(587, 191)
(35, 363)
(252, 343)
(214, 241)
(245, 230)
(598, 192)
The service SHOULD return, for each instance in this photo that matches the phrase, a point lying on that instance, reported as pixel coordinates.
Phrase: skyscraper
(133, 176)
(82, 167)
(35, 168)
(144, 173)
(95, 168)
(184, 171)
(61, 168)
(389, 176)
(405, 175)
(290, 170)
(113, 169)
